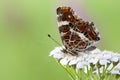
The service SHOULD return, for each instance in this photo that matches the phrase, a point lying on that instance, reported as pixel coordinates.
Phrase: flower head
(84, 59)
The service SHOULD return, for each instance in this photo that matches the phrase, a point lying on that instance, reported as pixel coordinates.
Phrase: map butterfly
(77, 35)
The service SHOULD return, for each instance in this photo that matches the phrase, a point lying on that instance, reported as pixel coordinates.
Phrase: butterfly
(77, 35)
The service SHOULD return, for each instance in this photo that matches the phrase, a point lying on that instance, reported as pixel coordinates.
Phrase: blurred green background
(24, 25)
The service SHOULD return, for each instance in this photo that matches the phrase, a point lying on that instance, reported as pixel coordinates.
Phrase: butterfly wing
(76, 34)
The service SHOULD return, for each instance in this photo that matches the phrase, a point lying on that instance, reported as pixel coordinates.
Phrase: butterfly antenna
(54, 39)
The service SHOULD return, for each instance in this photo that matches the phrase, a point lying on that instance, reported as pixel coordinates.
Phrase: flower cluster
(100, 61)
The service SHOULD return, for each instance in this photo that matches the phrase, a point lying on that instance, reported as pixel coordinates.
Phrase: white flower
(115, 59)
(96, 51)
(57, 53)
(93, 60)
(104, 62)
(73, 62)
(107, 54)
(116, 72)
(64, 61)
(84, 59)
(81, 64)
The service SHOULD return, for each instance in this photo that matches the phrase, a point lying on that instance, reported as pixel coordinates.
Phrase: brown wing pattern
(76, 34)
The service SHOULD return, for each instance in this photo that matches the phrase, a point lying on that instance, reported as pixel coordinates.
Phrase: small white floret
(104, 62)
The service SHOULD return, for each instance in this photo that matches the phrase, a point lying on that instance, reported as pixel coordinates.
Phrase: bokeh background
(24, 25)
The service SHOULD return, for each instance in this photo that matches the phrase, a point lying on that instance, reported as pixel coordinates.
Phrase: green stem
(70, 74)
(99, 74)
(78, 77)
(104, 70)
(111, 69)
(67, 71)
